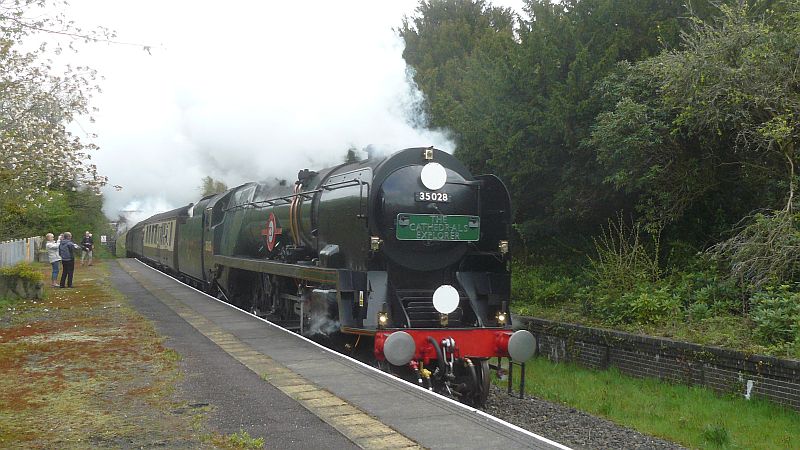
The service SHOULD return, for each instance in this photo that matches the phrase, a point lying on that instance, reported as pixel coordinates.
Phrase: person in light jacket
(52, 255)
(66, 249)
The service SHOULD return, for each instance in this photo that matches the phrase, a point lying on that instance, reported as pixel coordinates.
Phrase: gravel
(568, 426)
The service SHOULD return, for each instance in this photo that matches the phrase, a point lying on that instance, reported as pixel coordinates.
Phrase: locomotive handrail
(307, 195)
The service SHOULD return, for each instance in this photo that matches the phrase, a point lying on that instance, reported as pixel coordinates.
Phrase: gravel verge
(568, 426)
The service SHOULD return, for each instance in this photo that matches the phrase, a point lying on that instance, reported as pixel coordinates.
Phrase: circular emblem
(271, 232)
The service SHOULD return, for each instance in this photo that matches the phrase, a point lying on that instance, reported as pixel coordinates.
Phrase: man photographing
(88, 244)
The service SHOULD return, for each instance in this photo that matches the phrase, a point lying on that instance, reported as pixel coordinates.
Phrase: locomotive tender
(408, 252)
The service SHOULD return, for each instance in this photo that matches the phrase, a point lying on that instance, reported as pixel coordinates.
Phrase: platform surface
(370, 408)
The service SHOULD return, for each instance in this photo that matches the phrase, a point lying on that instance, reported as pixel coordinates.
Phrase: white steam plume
(245, 91)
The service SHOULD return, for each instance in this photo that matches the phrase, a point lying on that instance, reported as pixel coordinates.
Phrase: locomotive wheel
(479, 397)
(479, 383)
(263, 301)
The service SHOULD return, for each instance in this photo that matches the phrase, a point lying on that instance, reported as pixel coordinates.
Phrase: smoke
(321, 325)
(138, 210)
(317, 304)
(248, 91)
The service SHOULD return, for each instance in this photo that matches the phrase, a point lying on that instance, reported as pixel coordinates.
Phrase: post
(510, 375)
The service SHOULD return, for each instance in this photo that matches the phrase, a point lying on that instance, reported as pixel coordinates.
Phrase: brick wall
(642, 356)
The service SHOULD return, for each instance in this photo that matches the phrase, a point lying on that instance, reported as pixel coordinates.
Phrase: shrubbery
(705, 289)
(20, 281)
(620, 289)
(648, 304)
(623, 285)
(533, 285)
(22, 270)
(776, 314)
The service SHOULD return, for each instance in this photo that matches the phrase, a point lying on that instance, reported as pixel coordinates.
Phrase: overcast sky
(244, 91)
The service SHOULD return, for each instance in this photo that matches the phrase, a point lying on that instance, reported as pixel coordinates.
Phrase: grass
(692, 416)
(239, 440)
(82, 369)
(7, 303)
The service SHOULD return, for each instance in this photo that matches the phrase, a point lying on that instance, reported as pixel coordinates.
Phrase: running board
(311, 273)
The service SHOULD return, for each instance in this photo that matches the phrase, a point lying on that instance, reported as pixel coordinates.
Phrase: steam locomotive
(407, 253)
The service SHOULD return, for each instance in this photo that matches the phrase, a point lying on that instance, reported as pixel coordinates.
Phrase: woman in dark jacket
(66, 249)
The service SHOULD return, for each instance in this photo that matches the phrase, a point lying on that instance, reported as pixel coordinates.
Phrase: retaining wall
(642, 356)
(14, 287)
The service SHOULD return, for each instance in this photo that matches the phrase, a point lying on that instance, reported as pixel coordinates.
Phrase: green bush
(532, 285)
(698, 312)
(622, 260)
(776, 314)
(22, 270)
(706, 287)
(653, 306)
(646, 304)
(628, 285)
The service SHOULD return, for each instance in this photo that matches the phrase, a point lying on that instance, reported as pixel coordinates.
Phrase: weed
(716, 435)
(239, 440)
(172, 355)
(622, 260)
(6, 302)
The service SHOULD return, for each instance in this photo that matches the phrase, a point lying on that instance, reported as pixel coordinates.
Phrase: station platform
(366, 407)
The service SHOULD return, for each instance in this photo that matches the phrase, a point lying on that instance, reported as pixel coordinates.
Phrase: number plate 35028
(439, 197)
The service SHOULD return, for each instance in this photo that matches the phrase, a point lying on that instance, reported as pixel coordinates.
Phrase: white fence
(19, 250)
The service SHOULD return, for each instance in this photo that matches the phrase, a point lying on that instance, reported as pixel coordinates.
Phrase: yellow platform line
(362, 429)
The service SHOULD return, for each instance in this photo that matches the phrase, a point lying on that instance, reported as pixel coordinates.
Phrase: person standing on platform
(52, 255)
(66, 250)
(88, 245)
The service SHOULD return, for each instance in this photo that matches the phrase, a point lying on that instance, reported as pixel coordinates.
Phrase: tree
(709, 125)
(37, 152)
(520, 102)
(74, 211)
(211, 186)
(438, 41)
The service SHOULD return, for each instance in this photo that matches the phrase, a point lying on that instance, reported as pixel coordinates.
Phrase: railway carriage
(155, 239)
(407, 252)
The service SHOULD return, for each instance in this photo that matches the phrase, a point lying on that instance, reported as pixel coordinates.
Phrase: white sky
(243, 91)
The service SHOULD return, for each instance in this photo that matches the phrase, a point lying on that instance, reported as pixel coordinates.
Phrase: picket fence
(19, 250)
